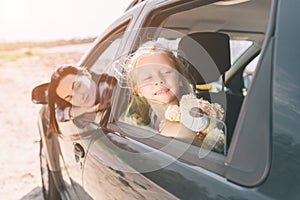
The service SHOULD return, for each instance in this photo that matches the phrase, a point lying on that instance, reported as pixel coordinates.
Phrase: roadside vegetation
(8, 46)
(10, 52)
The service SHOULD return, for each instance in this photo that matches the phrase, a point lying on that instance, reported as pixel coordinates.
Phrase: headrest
(208, 54)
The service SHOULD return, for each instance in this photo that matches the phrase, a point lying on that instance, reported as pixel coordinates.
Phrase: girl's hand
(95, 108)
(76, 111)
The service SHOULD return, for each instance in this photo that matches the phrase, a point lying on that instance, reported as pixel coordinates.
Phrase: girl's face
(79, 90)
(156, 78)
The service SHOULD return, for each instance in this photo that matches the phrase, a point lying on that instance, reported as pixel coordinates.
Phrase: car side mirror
(39, 94)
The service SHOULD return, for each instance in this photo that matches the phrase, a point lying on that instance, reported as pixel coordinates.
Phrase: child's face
(156, 78)
(79, 90)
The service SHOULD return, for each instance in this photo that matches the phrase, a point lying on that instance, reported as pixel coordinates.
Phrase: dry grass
(9, 46)
(49, 59)
(11, 52)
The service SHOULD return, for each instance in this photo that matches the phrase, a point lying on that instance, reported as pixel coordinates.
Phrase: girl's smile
(163, 90)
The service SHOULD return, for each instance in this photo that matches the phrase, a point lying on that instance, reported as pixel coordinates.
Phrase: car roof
(246, 19)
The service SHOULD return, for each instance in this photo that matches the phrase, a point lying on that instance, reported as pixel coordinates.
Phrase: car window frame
(212, 161)
(256, 169)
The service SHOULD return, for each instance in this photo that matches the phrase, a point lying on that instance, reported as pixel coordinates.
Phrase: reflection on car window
(162, 99)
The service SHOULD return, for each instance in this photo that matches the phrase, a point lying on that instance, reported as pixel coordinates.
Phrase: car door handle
(78, 151)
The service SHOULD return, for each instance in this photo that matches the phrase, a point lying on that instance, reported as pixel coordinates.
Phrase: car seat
(207, 55)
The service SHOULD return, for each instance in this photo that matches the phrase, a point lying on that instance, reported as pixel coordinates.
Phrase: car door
(104, 175)
(73, 143)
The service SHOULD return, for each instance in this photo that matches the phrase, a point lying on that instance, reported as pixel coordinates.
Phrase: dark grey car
(258, 74)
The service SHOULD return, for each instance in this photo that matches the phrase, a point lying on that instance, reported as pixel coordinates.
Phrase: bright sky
(41, 20)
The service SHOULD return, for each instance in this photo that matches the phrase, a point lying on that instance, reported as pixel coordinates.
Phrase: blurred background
(36, 37)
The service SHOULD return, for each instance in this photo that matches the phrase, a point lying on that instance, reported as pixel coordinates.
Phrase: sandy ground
(19, 163)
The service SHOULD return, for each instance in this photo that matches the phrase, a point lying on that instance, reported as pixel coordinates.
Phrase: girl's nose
(159, 80)
(159, 83)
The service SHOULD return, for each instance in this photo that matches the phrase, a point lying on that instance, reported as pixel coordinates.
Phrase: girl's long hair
(53, 99)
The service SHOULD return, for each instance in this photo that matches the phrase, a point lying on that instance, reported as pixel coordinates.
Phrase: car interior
(217, 46)
(220, 34)
(207, 58)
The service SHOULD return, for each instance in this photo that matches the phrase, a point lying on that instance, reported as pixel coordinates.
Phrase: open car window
(160, 97)
(103, 79)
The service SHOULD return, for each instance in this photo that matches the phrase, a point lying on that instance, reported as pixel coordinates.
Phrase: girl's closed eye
(76, 85)
(166, 73)
(146, 78)
(68, 98)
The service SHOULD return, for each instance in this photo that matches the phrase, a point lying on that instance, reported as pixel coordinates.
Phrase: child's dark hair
(53, 99)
